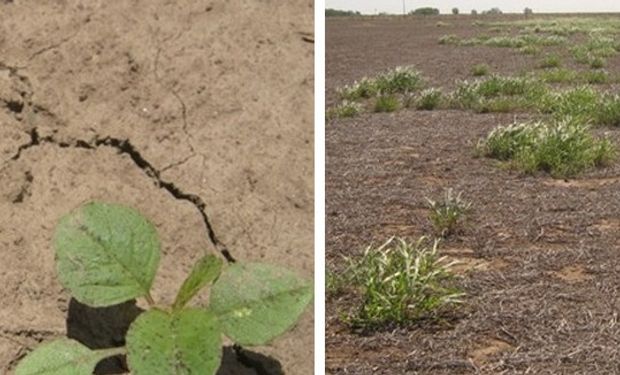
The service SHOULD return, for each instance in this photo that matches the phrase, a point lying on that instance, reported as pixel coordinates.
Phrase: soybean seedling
(107, 254)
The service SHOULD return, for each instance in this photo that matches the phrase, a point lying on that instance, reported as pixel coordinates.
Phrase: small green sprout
(107, 254)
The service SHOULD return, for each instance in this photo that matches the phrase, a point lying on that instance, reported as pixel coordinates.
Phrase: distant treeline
(425, 11)
(340, 13)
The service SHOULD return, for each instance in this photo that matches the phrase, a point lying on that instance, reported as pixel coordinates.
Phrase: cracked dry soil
(179, 109)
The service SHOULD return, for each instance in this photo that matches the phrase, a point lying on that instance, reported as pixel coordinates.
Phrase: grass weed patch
(480, 70)
(597, 63)
(344, 109)
(450, 39)
(578, 103)
(400, 80)
(551, 61)
(448, 212)
(400, 282)
(498, 94)
(429, 99)
(386, 103)
(608, 111)
(563, 148)
(559, 75)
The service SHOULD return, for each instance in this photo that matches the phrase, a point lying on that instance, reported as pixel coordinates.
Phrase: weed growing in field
(530, 50)
(608, 111)
(344, 109)
(400, 282)
(446, 214)
(480, 70)
(561, 26)
(498, 93)
(596, 77)
(386, 103)
(562, 75)
(518, 42)
(335, 283)
(400, 80)
(579, 103)
(507, 94)
(597, 62)
(581, 54)
(364, 88)
(449, 39)
(563, 148)
(108, 254)
(551, 61)
(602, 46)
(429, 99)
(595, 50)
(559, 75)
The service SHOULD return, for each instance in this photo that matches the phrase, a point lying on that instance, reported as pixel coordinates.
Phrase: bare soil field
(177, 108)
(539, 256)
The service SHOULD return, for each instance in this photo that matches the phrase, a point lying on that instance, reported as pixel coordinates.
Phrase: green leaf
(106, 254)
(63, 357)
(257, 302)
(182, 342)
(204, 272)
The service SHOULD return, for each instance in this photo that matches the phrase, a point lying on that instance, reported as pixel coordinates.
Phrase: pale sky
(465, 6)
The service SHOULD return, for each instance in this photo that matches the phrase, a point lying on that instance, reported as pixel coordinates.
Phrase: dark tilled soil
(364, 47)
(163, 106)
(540, 255)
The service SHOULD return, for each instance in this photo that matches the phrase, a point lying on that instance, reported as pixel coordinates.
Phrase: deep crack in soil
(124, 146)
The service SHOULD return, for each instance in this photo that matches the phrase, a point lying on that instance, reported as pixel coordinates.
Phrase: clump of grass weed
(429, 99)
(529, 50)
(578, 103)
(480, 70)
(596, 77)
(562, 75)
(597, 63)
(608, 113)
(563, 148)
(559, 75)
(335, 283)
(581, 54)
(498, 93)
(386, 103)
(519, 41)
(446, 214)
(400, 282)
(551, 61)
(344, 109)
(449, 39)
(602, 46)
(364, 88)
(402, 79)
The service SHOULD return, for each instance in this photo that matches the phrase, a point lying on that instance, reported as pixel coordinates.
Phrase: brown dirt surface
(541, 267)
(177, 108)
